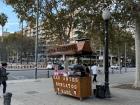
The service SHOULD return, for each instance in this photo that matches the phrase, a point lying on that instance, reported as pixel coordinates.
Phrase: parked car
(60, 66)
(50, 66)
(116, 67)
(71, 66)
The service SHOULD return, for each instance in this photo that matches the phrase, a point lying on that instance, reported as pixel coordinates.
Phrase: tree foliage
(18, 44)
(3, 19)
(60, 17)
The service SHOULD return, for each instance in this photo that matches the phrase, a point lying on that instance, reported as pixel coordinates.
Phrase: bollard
(120, 71)
(48, 74)
(125, 69)
(112, 70)
(7, 99)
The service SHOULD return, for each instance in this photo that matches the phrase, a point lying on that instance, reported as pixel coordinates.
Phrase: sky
(13, 22)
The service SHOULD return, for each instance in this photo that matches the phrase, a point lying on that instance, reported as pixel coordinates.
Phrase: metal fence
(25, 66)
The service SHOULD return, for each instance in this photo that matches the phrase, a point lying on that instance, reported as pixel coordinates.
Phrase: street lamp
(106, 16)
(36, 41)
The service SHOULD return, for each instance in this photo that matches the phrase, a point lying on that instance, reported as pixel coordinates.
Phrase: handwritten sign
(66, 85)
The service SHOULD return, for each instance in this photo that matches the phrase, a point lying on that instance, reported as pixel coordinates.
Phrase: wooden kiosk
(79, 87)
(74, 86)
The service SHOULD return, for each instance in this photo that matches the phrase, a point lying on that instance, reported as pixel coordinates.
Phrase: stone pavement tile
(118, 98)
(41, 92)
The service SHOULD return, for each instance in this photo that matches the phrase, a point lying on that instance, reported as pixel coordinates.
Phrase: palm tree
(3, 20)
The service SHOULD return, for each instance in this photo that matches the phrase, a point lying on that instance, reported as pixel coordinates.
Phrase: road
(115, 78)
(27, 74)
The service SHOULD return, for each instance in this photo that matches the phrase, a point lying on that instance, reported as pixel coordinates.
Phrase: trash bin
(100, 91)
(7, 99)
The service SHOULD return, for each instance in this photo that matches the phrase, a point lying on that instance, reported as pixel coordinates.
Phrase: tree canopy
(17, 44)
(3, 19)
(83, 18)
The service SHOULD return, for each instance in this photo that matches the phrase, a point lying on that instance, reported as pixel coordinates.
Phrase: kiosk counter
(74, 86)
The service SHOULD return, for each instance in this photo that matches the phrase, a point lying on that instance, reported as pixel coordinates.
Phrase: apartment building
(32, 32)
(5, 33)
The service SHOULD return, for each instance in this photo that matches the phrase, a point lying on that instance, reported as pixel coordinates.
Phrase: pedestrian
(86, 69)
(94, 69)
(3, 76)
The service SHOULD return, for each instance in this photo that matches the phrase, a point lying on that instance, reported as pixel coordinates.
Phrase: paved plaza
(41, 92)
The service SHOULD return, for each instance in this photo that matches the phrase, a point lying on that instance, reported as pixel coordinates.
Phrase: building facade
(32, 32)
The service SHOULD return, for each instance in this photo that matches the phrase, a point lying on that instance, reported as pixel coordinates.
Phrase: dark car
(71, 66)
(60, 66)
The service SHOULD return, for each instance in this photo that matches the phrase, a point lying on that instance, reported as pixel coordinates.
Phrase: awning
(82, 47)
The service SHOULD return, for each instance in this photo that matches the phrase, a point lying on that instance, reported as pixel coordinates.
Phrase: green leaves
(63, 18)
(16, 43)
(3, 19)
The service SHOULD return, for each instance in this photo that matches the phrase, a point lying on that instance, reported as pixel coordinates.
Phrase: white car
(50, 66)
(117, 67)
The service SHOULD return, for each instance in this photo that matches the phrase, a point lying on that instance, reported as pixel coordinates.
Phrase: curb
(27, 80)
(23, 69)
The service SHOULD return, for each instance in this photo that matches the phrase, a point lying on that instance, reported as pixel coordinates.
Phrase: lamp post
(36, 41)
(125, 58)
(106, 15)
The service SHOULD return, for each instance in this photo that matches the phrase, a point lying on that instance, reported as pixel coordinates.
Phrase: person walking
(86, 69)
(94, 69)
(3, 76)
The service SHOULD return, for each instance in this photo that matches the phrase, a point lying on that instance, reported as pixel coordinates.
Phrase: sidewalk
(41, 92)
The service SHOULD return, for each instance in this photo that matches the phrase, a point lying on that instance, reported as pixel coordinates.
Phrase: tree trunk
(17, 57)
(3, 55)
(2, 33)
(21, 44)
(137, 47)
(119, 60)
